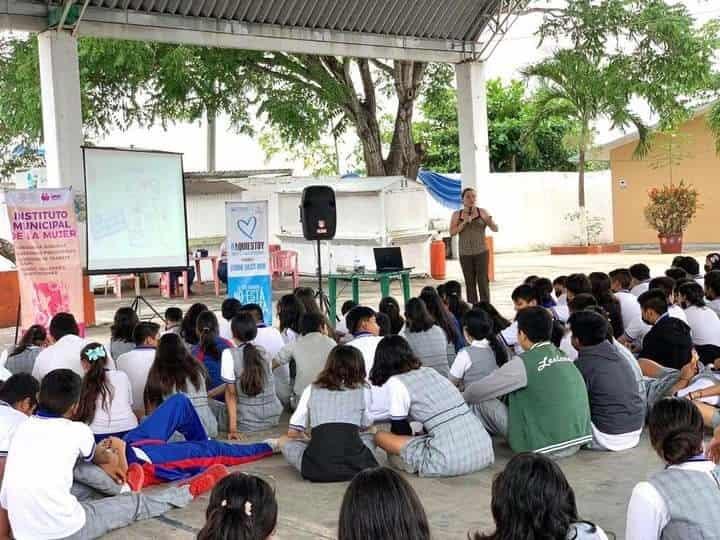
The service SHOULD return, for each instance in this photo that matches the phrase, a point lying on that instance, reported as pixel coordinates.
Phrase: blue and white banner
(248, 254)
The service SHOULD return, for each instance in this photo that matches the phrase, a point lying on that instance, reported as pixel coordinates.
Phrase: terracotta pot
(671, 243)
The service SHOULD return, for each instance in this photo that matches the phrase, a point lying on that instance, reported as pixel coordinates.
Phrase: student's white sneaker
(274, 444)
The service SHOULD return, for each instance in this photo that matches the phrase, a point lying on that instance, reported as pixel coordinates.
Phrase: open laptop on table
(389, 259)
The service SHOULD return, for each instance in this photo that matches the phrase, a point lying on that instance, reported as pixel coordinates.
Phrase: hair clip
(223, 502)
(248, 508)
(95, 354)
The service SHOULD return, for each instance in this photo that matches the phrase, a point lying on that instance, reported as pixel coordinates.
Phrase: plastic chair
(116, 283)
(285, 262)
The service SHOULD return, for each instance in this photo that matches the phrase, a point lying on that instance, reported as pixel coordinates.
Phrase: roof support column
(472, 124)
(62, 116)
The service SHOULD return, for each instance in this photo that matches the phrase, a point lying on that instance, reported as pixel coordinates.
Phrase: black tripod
(320, 295)
(135, 306)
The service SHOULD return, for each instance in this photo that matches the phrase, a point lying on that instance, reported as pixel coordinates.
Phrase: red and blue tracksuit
(170, 461)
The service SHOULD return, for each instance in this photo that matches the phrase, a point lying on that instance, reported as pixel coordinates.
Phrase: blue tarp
(443, 189)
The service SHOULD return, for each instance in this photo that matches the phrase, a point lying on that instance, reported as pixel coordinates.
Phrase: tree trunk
(513, 163)
(581, 198)
(368, 132)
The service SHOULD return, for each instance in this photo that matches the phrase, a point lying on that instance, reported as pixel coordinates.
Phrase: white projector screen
(135, 211)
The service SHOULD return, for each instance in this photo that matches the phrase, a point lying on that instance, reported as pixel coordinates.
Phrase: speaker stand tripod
(135, 306)
(320, 295)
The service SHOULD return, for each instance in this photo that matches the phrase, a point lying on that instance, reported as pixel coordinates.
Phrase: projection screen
(136, 219)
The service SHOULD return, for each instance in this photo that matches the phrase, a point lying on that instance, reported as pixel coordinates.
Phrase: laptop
(388, 259)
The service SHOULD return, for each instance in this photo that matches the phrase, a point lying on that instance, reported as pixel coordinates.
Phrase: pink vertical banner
(47, 252)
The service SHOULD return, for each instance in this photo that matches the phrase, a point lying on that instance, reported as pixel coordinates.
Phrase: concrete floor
(602, 481)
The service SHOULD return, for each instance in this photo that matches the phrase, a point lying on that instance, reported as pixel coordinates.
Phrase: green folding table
(384, 278)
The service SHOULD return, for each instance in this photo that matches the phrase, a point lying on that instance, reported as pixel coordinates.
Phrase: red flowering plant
(671, 208)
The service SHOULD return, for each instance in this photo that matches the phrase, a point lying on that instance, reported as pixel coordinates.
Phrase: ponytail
(252, 380)
(95, 384)
(498, 349)
(35, 335)
(207, 331)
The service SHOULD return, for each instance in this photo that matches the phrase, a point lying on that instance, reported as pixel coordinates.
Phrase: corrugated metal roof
(348, 185)
(459, 20)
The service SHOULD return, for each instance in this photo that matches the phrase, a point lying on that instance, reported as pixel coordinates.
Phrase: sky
(517, 50)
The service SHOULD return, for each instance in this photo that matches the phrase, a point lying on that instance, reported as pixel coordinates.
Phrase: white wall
(530, 208)
(206, 214)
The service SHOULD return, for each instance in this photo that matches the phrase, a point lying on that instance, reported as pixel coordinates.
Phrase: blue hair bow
(96, 353)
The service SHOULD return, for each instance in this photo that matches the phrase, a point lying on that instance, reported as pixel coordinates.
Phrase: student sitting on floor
(384, 324)
(601, 290)
(335, 408)
(531, 498)
(242, 507)
(426, 339)
(209, 351)
(136, 364)
(106, 401)
(251, 403)
(484, 355)
(289, 310)
(189, 324)
(681, 501)
(712, 290)
(390, 307)
(173, 320)
(668, 342)
(64, 352)
(454, 440)
(380, 504)
(640, 274)
(444, 319)
(704, 324)
(22, 358)
(617, 409)
(174, 371)
(228, 309)
(577, 284)
(341, 328)
(620, 281)
(121, 332)
(454, 300)
(36, 487)
(307, 355)
(547, 407)
(524, 296)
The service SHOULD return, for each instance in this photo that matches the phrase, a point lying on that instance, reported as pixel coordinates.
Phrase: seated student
(704, 324)
(390, 307)
(578, 303)
(559, 290)
(454, 300)
(640, 278)
(335, 408)
(229, 308)
(22, 358)
(454, 441)
(444, 319)
(426, 339)
(682, 500)
(121, 332)
(638, 328)
(209, 351)
(577, 284)
(18, 399)
(547, 407)
(36, 487)
(531, 498)
(241, 507)
(251, 403)
(676, 273)
(712, 290)
(544, 291)
(174, 371)
(106, 401)
(384, 324)
(668, 342)
(64, 352)
(712, 262)
(499, 322)
(524, 296)
(307, 355)
(341, 329)
(484, 355)
(601, 290)
(188, 328)
(173, 320)
(402, 516)
(289, 310)
(692, 267)
(136, 364)
(364, 329)
(620, 281)
(617, 409)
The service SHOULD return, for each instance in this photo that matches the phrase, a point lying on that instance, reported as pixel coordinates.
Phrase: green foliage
(509, 116)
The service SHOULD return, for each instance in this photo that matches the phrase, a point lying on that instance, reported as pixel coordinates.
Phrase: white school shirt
(566, 346)
(119, 416)
(63, 354)
(39, 475)
(10, 419)
(629, 307)
(462, 360)
(637, 330)
(715, 306)
(289, 335)
(399, 399)
(136, 365)
(510, 337)
(615, 443)
(640, 288)
(648, 513)
(704, 325)
(301, 416)
(270, 339)
(376, 397)
(224, 330)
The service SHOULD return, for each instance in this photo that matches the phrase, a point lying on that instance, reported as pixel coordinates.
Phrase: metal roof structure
(425, 30)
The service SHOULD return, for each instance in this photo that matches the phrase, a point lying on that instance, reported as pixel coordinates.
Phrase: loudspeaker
(317, 213)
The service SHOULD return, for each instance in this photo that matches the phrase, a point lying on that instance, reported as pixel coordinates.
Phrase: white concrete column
(62, 116)
(473, 124)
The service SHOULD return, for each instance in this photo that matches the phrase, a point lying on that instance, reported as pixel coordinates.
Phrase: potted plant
(670, 210)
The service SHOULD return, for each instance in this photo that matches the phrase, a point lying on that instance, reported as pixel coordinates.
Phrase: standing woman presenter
(470, 223)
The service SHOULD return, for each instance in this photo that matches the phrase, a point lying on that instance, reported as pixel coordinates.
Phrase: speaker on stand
(319, 221)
